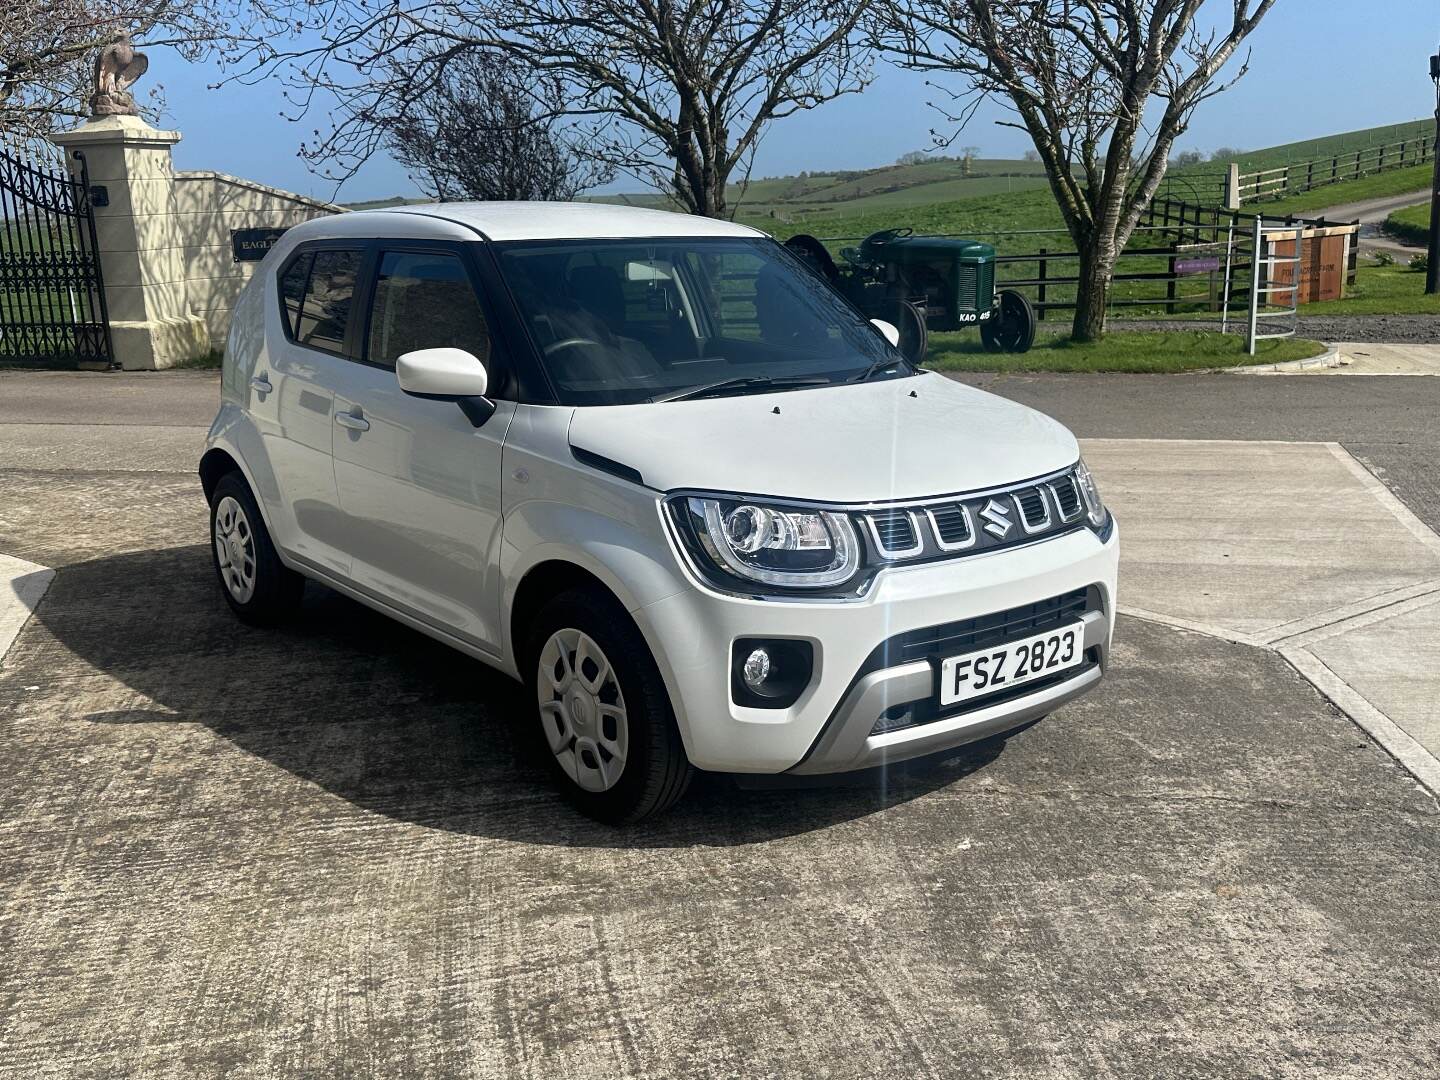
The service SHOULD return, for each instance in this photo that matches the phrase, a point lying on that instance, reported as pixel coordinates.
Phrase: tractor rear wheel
(1012, 328)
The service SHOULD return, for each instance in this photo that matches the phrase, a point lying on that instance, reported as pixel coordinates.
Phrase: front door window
(424, 301)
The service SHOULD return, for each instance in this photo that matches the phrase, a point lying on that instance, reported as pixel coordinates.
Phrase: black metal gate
(52, 300)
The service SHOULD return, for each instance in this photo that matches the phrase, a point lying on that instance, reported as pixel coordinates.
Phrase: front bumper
(855, 737)
(833, 725)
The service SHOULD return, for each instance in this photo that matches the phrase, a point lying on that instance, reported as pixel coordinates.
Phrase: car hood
(870, 442)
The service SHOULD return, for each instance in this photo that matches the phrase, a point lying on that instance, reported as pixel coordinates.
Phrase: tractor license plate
(967, 317)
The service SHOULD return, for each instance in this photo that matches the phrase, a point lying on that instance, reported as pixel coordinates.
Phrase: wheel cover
(582, 710)
(235, 549)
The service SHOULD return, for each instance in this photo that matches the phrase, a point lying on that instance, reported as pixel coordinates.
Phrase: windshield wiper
(877, 367)
(745, 382)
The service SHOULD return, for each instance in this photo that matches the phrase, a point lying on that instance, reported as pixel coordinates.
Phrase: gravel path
(1393, 329)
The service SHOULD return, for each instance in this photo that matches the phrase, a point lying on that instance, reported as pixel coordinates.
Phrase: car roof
(547, 220)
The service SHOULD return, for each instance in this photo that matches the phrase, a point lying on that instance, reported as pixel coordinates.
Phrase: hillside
(1333, 145)
(1000, 195)
(864, 190)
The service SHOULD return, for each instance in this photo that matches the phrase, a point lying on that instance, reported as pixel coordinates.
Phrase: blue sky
(1320, 66)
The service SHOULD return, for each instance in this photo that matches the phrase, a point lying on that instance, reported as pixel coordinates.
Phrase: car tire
(259, 588)
(602, 709)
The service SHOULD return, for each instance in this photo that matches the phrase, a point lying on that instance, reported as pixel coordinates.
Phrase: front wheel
(604, 711)
(1011, 328)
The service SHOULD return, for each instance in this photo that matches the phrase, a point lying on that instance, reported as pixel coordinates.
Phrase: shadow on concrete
(390, 720)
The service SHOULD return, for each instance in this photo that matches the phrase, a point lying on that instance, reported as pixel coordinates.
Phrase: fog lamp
(770, 673)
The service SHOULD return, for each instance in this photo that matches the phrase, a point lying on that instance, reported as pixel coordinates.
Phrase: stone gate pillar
(140, 240)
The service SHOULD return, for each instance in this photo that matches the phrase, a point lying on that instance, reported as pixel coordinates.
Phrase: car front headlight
(782, 546)
(1095, 509)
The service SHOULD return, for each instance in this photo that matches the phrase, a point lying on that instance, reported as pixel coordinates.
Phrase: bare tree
(1103, 87)
(48, 47)
(677, 91)
(968, 154)
(490, 131)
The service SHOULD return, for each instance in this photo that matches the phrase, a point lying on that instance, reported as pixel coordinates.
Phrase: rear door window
(318, 313)
(292, 290)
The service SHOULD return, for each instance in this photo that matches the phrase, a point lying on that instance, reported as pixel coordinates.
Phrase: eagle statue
(116, 70)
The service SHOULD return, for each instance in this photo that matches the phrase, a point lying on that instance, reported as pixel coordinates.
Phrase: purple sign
(1197, 266)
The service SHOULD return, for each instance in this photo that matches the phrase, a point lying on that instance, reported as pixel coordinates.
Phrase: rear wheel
(604, 711)
(1011, 328)
(258, 587)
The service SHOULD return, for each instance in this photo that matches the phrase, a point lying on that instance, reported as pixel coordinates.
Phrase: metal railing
(1265, 283)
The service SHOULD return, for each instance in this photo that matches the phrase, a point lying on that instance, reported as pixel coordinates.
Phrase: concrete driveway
(330, 850)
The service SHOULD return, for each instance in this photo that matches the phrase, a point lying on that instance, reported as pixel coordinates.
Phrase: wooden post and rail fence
(1300, 176)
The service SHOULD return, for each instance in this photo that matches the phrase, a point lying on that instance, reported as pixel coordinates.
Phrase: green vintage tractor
(924, 283)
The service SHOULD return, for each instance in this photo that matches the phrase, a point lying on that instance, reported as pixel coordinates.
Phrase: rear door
(418, 484)
(293, 395)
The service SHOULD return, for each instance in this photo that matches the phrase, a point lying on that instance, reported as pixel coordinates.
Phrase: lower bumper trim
(849, 741)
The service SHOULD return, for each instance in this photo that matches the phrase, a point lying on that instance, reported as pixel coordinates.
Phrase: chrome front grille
(1034, 510)
(953, 527)
(1066, 493)
(973, 523)
(895, 532)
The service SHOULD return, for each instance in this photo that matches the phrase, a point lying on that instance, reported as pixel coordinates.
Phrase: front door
(418, 484)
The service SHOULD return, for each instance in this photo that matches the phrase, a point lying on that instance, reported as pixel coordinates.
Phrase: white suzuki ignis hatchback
(659, 470)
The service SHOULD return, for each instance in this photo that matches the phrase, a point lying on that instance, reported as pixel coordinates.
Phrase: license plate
(992, 670)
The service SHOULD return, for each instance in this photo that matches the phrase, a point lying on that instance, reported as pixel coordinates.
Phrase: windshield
(621, 321)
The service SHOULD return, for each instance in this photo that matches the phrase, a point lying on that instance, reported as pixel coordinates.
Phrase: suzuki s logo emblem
(996, 516)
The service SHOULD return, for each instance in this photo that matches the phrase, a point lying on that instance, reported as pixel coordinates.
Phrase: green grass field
(1382, 290)
(981, 217)
(1378, 290)
(1146, 353)
(776, 201)
(1411, 225)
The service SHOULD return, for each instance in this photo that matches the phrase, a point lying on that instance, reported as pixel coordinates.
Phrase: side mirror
(447, 375)
(890, 330)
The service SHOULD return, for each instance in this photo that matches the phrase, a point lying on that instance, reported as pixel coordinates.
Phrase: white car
(655, 468)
